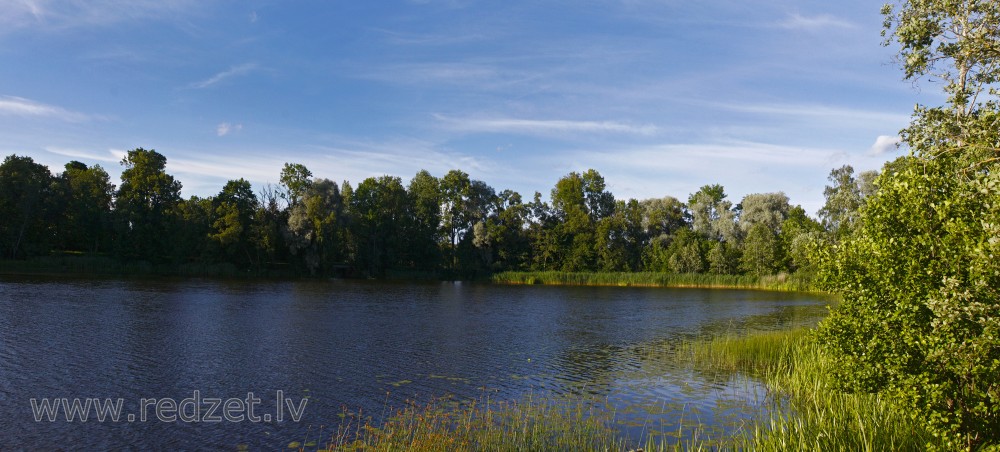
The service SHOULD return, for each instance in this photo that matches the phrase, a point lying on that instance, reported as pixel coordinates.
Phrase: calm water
(349, 345)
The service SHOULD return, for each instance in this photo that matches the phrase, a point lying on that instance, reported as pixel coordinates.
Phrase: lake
(350, 346)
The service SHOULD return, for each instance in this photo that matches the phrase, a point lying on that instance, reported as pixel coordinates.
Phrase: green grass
(815, 415)
(531, 425)
(780, 282)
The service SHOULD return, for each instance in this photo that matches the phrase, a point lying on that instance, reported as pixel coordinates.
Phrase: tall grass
(815, 415)
(780, 282)
(531, 425)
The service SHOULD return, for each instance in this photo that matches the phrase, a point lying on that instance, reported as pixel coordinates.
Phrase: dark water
(352, 346)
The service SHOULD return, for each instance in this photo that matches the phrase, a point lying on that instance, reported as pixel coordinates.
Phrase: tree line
(451, 226)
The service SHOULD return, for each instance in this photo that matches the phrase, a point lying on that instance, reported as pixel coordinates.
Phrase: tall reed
(780, 282)
(813, 413)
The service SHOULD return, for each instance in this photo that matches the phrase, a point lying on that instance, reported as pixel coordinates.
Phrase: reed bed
(813, 414)
(535, 424)
(780, 282)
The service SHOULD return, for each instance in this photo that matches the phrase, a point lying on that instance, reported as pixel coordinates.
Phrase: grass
(780, 282)
(814, 415)
(532, 425)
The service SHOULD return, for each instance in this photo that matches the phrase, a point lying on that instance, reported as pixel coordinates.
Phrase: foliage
(919, 274)
(25, 206)
(954, 42)
(450, 227)
(921, 317)
(145, 205)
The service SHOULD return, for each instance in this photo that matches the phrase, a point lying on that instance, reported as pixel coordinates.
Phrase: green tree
(315, 224)
(456, 188)
(686, 253)
(769, 209)
(191, 238)
(26, 197)
(919, 277)
(379, 206)
(723, 259)
(704, 205)
(662, 216)
(295, 180)
(951, 41)
(761, 251)
(268, 230)
(573, 199)
(235, 209)
(86, 213)
(799, 235)
(423, 239)
(844, 199)
(620, 238)
(145, 204)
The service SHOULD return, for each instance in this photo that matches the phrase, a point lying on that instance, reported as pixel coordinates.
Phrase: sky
(660, 96)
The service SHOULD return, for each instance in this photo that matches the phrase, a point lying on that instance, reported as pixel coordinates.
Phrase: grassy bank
(817, 415)
(781, 282)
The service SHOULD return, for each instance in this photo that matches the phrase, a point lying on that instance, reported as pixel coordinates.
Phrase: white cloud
(885, 143)
(543, 127)
(820, 22)
(112, 155)
(62, 14)
(19, 106)
(820, 111)
(234, 71)
(227, 128)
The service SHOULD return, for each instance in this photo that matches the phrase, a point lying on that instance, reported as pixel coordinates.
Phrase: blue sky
(660, 96)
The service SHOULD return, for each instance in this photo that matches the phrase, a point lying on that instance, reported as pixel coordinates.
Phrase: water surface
(360, 346)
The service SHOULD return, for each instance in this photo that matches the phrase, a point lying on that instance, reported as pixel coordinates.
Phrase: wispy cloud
(885, 143)
(812, 23)
(234, 71)
(62, 14)
(112, 155)
(820, 111)
(544, 127)
(227, 128)
(19, 106)
(428, 39)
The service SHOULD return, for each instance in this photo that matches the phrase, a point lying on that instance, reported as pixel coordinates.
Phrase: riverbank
(781, 282)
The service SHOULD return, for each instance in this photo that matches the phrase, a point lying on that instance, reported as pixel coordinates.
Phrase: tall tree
(951, 41)
(662, 216)
(455, 190)
(761, 251)
(86, 219)
(295, 180)
(424, 193)
(843, 202)
(920, 314)
(379, 206)
(25, 205)
(235, 209)
(145, 204)
(315, 224)
(769, 209)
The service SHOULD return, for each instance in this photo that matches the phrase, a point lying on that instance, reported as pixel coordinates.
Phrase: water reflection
(363, 346)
